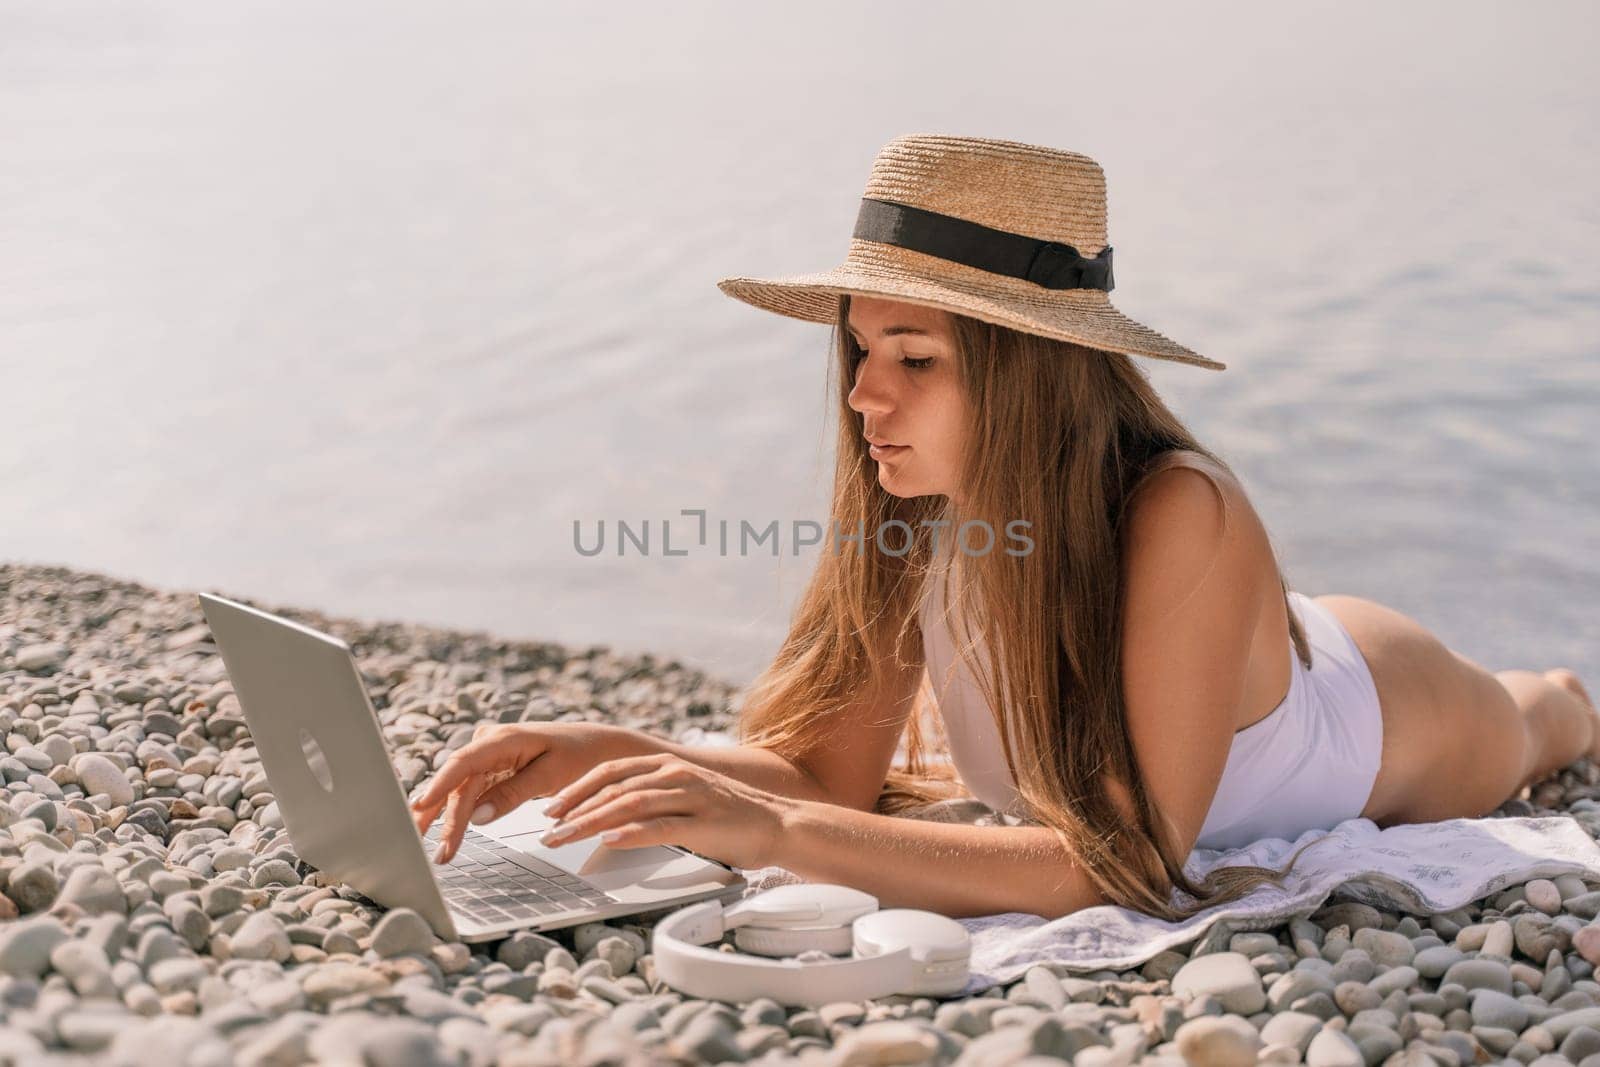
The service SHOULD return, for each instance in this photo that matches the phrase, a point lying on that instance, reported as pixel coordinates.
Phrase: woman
(1131, 676)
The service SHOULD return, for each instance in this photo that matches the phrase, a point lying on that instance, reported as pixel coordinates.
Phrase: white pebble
(97, 774)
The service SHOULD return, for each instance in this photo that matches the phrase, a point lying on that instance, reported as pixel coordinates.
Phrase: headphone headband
(898, 950)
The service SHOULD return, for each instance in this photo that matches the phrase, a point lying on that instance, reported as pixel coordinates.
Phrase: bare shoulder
(1188, 528)
(1179, 477)
(1188, 507)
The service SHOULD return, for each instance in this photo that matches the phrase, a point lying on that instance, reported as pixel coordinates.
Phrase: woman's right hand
(506, 764)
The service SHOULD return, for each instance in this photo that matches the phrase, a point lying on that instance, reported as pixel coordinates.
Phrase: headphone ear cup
(776, 941)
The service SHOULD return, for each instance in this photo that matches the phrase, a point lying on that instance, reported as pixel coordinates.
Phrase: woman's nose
(868, 393)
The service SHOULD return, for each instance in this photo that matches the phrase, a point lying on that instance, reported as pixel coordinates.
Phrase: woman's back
(974, 736)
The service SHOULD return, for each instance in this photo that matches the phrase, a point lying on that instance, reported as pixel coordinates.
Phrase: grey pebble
(280, 1044)
(886, 1042)
(191, 924)
(339, 941)
(158, 943)
(26, 944)
(167, 1040)
(165, 883)
(709, 1037)
(231, 858)
(85, 966)
(525, 1019)
(58, 748)
(274, 872)
(218, 900)
(553, 983)
(525, 947)
(640, 1015)
(1385, 947)
(45, 811)
(261, 937)
(97, 774)
(621, 953)
(404, 1043)
(41, 657)
(1218, 1041)
(94, 889)
(559, 959)
(92, 1026)
(1333, 1048)
(432, 1006)
(1395, 980)
(401, 931)
(1434, 961)
(1301, 982)
(176, 974)
(33, 885)
(1228, 976)
(1291, 1028)
(1480, 973)
(32, 758)
(108, 933)
(277, 996)
(330, 981)
(606, 989)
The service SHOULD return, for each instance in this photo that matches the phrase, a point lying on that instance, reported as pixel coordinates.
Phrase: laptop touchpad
(528, 817)
(592, 856)
(523, 826)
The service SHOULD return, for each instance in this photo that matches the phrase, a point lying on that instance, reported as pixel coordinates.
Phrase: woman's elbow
(1061, 897)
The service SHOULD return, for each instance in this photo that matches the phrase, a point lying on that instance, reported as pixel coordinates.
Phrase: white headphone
(897, 950)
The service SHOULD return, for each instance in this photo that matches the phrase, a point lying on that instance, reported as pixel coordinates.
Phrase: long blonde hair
(1062, 436)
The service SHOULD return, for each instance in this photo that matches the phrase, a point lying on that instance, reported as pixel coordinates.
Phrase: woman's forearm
(953, 869)
(759, 767)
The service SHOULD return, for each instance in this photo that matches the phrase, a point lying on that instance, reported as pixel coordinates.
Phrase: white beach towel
(1420, 868)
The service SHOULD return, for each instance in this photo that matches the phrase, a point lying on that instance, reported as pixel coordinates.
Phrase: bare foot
(1569, 681)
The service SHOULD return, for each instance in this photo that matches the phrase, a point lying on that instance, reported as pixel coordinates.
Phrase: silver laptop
(347, 815)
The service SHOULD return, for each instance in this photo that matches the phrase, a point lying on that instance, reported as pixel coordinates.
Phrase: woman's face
(908, 394)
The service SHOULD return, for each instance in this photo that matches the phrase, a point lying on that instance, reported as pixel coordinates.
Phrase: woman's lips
(887, 451)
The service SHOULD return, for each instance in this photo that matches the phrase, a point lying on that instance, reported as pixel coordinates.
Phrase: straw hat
(1005, 232)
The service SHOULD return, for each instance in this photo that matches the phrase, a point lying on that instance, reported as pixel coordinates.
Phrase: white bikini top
(975, 740)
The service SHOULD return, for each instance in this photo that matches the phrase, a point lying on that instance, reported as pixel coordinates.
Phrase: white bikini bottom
(1312, 762)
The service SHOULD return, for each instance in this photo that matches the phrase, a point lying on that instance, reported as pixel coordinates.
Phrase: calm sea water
(360, 306)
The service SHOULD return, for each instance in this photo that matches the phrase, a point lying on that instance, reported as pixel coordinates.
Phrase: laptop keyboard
(493, 882)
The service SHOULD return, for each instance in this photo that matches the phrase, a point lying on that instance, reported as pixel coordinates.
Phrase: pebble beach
(153, 910)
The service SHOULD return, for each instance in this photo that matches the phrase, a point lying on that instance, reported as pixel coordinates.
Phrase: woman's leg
(1560, 717)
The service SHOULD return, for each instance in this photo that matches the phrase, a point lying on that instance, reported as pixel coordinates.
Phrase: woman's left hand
(663, 799)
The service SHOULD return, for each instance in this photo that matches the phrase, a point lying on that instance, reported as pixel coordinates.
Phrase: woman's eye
(908, 361)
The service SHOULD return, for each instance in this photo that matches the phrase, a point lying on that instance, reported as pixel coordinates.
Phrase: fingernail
(482, 814)
(559, 833)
